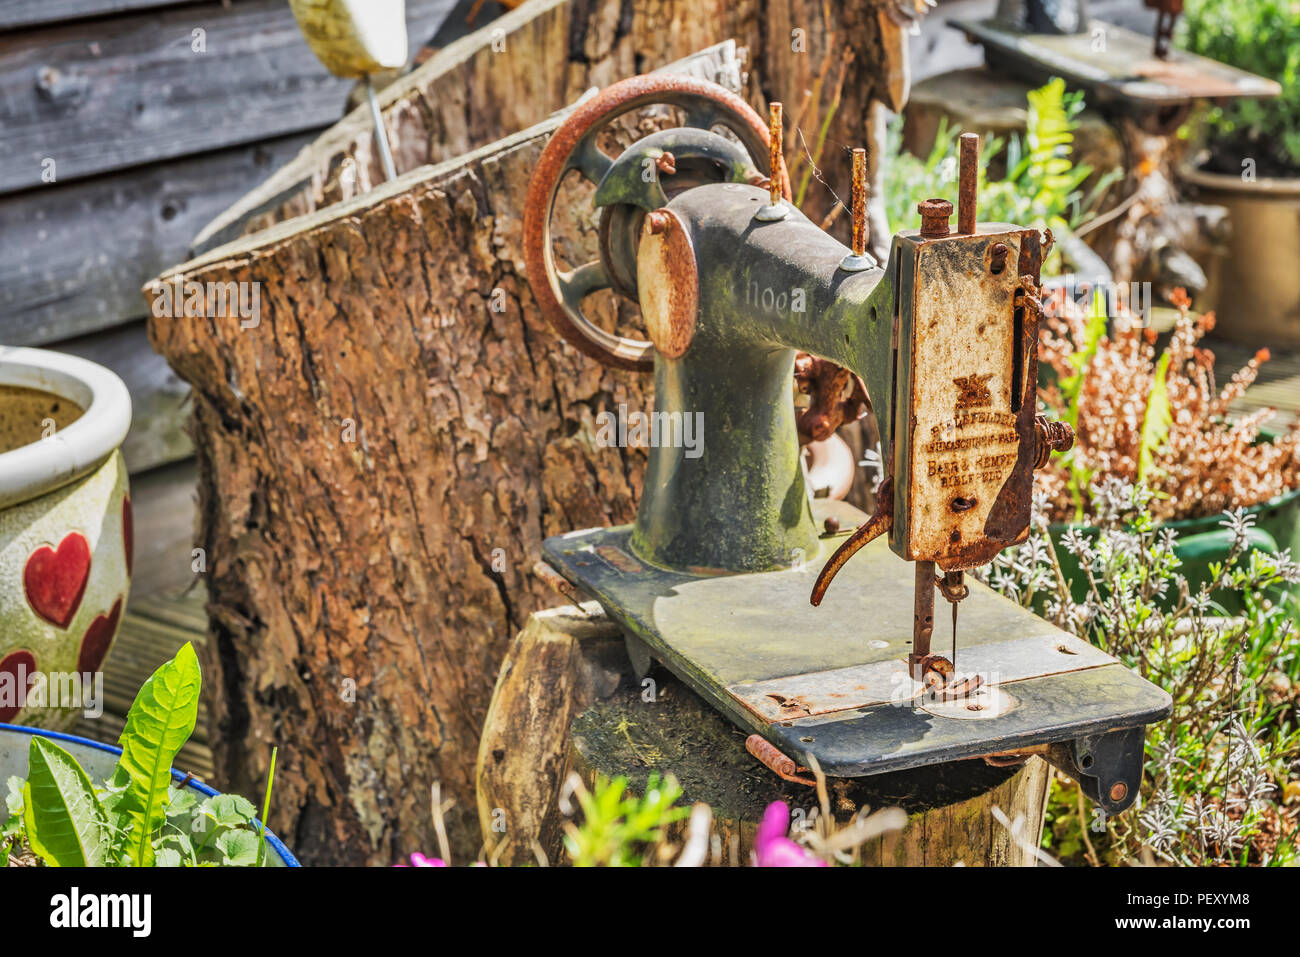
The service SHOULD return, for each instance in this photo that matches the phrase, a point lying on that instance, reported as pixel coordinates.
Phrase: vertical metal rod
(381, 133)
(923, 616)
(775, 135)
(859, 202)
(969, 183)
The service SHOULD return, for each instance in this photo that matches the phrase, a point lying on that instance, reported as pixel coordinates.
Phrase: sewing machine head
(733, 282)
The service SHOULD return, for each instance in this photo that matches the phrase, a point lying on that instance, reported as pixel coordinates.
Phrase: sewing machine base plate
(832, 682)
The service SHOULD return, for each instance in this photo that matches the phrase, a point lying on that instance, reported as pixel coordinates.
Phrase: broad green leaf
(160, 721)
(239, 848)
(177, 841)
(1156, 420)
(230, 810)
(65, 824)
(167, 857)
(180, 800)
(14, 797)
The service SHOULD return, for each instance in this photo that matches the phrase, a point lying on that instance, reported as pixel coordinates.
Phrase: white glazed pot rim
(70, 453)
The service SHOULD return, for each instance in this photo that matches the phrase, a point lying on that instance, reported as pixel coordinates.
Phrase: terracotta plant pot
(1254, 289)
(65, 530)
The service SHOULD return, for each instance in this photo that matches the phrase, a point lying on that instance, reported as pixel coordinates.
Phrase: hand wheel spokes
(590, 160)
(573, 147)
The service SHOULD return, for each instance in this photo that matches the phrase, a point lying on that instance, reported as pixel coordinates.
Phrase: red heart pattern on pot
(20, 663)
(94, 645)
(128, 532)
(55, 579)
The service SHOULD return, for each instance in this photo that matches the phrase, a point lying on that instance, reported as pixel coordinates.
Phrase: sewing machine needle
(954, 636)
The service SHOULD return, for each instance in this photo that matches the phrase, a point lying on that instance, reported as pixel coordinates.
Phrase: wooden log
(549, 717)
(380, 459)
(563, 661)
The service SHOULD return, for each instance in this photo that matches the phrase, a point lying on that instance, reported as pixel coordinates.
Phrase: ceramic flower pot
(1255, 288)
(99, 760)
(65, 530)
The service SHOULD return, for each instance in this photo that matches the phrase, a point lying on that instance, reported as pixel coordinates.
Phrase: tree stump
(566, 702)
(384, 448)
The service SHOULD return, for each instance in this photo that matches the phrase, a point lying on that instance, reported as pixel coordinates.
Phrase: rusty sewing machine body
(715, 576)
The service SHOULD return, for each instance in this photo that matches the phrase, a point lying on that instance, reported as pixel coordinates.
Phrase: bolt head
(1118, 791)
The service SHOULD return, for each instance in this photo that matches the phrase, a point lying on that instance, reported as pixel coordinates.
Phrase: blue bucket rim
(276, 844)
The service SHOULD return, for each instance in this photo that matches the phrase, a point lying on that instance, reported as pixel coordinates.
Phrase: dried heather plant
(1159, 420)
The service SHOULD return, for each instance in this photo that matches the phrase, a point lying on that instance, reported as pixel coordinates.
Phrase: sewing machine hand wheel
(628, 187)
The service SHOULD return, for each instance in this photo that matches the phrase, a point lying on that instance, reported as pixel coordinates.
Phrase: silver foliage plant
(1215, 769)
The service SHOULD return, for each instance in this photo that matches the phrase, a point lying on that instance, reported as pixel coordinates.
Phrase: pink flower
(419, 860)
(772, 848)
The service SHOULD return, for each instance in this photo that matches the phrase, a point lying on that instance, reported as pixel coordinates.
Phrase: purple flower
(419, 860)
(772, 848)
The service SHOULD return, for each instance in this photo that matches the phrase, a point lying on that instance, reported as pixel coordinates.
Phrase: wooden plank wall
(121, 135)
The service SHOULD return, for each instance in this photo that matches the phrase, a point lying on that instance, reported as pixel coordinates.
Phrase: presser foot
(940, 679)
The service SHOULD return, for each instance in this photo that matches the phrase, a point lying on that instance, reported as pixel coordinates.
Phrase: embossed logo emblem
(973, 391)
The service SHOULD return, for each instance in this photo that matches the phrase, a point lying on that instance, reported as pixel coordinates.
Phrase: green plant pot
(1203, 541)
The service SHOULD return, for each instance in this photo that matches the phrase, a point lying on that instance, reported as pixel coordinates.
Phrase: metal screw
(1118, 791)
(998, 258)
(832, 524)
(934, 217)
(666, 163)
(657, 222)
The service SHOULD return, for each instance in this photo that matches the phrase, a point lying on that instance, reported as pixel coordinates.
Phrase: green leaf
(266, 810)
(160, 721)
(65, 824)
(180, 800)
(167, 857)
(238, 847)
(14, 798)
(1156, 421)
(230, 810)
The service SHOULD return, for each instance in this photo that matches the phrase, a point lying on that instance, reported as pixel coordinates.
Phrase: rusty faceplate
(966, 443)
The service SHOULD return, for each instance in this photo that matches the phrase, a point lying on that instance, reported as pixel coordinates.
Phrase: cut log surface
(549, 716)
(382, 455)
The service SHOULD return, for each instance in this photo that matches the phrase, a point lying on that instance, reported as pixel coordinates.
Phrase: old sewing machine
(714, 578)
